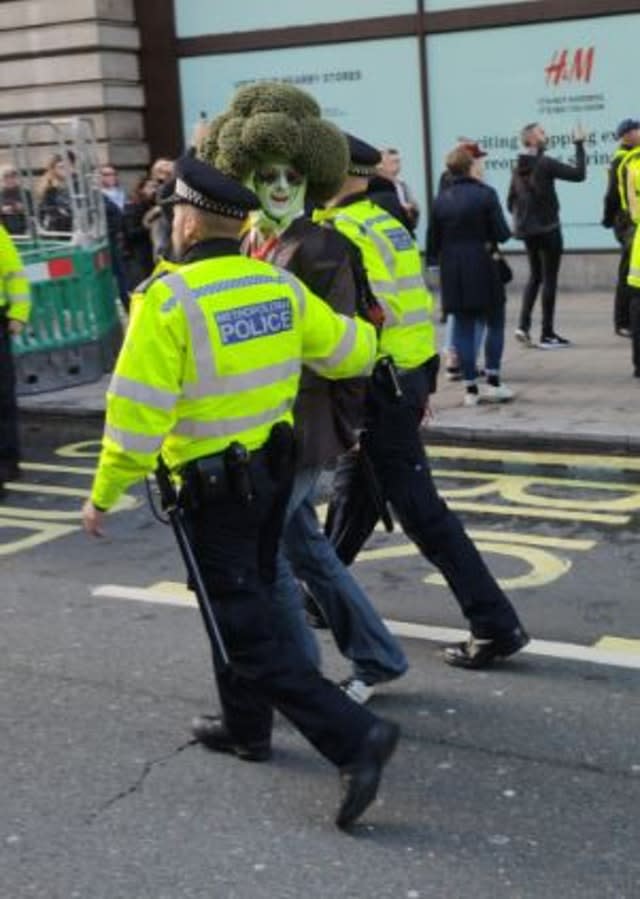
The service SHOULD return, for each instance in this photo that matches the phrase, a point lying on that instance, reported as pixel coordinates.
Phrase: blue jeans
(465, 331)
(478, 336)
(307, 554)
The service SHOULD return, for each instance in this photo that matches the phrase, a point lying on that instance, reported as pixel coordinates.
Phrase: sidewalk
(583, 398)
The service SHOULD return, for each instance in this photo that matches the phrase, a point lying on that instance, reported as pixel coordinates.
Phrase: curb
(459, 435)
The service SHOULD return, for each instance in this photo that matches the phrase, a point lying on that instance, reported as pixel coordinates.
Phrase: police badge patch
(252, 322)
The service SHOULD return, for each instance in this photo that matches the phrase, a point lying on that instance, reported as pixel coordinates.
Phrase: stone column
(76, 57)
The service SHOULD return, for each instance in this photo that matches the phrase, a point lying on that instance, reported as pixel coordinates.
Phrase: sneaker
(471, 399)
(523, 336)
(454, 374)
(623, 332)
(358, 690)
(553, 342)
(499, 393)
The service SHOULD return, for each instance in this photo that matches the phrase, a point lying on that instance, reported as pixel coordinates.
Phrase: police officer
(616, 216)
(398, 396)
(207, 376)
(629, 185)
(15, 304)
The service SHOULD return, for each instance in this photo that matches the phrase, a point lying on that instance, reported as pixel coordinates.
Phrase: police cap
(205, 187)
(625, 126)
(363, 158)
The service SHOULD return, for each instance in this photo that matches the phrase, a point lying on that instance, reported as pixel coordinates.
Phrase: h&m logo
(567, 65)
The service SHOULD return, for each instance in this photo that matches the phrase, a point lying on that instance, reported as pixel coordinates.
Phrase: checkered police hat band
(195, 198)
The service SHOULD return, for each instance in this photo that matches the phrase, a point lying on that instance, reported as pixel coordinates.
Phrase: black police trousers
(9, 443)
(235, 544)
(395, 449)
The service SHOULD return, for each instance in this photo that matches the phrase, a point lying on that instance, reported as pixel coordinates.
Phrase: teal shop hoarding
(369, 88)
(196, 17)
(488, 84)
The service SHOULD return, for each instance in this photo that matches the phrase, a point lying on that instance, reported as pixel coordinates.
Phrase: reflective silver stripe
(410, 282)
(136, 443)
(234, 283)
(416, 317)
(344, 348)
(230, 427)
(142, 393)
(297, 288)
(20, 297)
(380, 243)
(635, 272)
(378, 219)
(227, 384)
(381, 286)
(200, 341)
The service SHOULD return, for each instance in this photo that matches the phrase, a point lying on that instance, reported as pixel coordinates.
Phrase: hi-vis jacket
(15, 298)
(630, 196)
(394, 270)
(212, 354)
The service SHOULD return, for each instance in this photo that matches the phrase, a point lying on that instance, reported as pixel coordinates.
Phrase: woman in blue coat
(467, 224)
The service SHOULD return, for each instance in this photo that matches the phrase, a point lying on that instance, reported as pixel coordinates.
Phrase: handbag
(504, 270)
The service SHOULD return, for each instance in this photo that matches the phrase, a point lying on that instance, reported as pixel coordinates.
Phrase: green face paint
(281, 191)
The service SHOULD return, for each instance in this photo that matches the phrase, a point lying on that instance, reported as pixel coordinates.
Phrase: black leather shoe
(212, 732)
(359, 780)
(483, 653)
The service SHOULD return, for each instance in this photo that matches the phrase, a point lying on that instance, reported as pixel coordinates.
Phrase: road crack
(138, 784)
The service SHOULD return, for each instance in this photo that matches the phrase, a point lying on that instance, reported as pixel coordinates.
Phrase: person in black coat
(533, 203)
(466, 225)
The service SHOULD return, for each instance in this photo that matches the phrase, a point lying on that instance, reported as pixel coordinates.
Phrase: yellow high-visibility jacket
(632, 192)
(213, 354)
(15, 297)
(394, 270)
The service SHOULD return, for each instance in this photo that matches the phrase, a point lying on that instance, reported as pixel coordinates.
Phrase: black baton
(169, 501)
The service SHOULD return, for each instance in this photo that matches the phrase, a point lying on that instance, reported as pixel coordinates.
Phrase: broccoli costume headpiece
(274, 121)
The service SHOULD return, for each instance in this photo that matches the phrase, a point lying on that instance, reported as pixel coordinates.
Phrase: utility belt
(231, 474)
(386, 377)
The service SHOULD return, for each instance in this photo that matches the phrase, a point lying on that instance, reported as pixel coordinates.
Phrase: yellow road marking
(533, 512)
(125, 503)
(618, 644)
(85, 449)
(41, 533)
(57, 469)
(573, 460)
(515, 488)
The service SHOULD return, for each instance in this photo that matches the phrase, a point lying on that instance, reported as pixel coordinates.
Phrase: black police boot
(477, 654)
(360, 779)
(212, 732)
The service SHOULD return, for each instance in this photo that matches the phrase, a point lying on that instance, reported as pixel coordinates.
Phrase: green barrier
(74, 330)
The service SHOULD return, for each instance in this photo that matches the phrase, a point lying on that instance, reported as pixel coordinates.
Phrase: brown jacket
(326, 412)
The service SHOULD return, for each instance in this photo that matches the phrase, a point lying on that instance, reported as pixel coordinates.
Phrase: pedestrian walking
(207, 377)
(15, 305)
(533, 202)
(616, 216)
(465, 228)
(397, 398)
(309, 166)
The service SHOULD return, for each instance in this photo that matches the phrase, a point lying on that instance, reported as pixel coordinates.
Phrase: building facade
(412, 74)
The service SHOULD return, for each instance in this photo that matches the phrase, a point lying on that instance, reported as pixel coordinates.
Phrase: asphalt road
(520, 782)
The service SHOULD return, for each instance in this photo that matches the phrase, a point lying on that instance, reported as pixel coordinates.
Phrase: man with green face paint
(273, 139)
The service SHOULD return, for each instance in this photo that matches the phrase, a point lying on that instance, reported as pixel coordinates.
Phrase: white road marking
(162, 594)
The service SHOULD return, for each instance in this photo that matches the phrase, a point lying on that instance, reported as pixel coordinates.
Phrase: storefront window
(369, 88)
(488, 84)
(195, 17)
